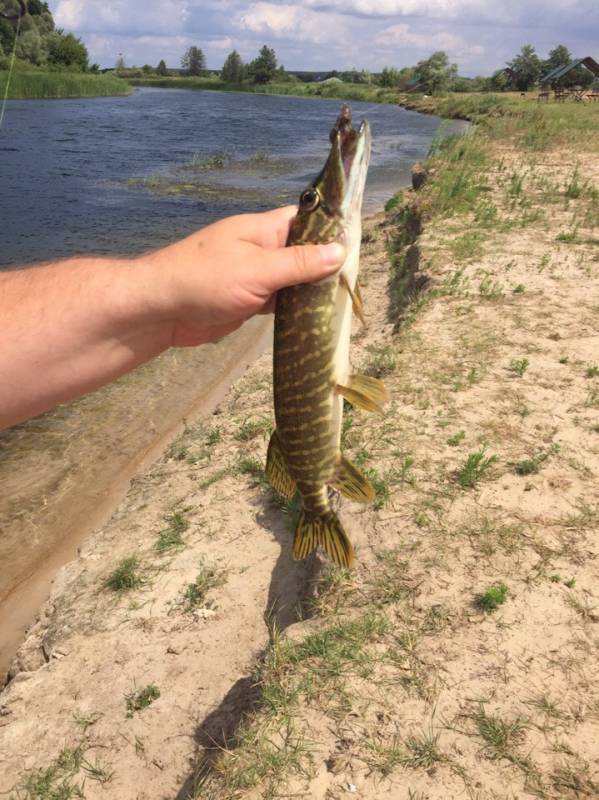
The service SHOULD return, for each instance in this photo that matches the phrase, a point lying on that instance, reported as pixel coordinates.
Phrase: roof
(559, 72)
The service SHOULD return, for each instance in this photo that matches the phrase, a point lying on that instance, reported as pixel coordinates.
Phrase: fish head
(330, 207)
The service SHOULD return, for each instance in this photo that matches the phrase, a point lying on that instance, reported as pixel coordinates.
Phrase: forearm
(72, 326)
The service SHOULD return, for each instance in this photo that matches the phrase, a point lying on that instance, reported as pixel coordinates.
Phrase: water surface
(65, 164)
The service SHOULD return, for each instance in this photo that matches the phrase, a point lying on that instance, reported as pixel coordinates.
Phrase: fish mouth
(353, 151)
(354, 144)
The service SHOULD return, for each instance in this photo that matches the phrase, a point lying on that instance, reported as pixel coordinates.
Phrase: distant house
(557, 76)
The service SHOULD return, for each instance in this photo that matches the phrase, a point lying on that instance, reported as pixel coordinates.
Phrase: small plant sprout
(591, 372)
(492, 598)
(209, 577)
(381, 487)
(519, 366)
(520, 288)
(138, 700)
(475, 466)
(530, 466)
(456, 439)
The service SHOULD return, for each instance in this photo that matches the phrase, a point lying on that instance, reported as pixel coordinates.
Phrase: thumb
(302, 263)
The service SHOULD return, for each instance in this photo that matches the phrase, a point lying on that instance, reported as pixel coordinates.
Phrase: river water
(120, 175)
(68, 168)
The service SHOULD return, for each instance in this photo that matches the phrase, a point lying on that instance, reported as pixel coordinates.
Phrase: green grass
(492, 598)
(381, 487)
(474, 468)
(210, 576)
(456, 439)
(500, 736)
(142, 698)
(530, 466)
(39, 84)
(62, 780)
(171, 537)
(125, 577)
(345, 91)
(519, 366)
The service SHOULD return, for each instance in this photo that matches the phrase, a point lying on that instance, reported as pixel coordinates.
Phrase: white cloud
(121, 16)
(400, 8)
(292, 22)
(401, 36)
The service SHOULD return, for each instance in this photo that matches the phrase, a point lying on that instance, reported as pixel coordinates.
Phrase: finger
(269, 306)
(268, 229)
(302, 263)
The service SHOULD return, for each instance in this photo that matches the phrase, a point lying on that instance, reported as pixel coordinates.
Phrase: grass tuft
(138, 700)
(475, 467)
(125, 577)
(492, 598)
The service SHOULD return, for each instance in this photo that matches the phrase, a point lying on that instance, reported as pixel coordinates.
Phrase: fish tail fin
(324, 530)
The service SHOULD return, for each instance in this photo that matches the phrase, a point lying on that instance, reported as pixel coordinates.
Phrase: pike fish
(311, 367)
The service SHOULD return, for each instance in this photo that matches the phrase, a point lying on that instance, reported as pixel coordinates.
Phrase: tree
(193, 61)
(435, 74)
(161, 68)
(120, 62)
(66, 50)
(7, 35)
(526, 68)
(558, 57)
(232, 71)
(264, 66)
(389, 77)
(31, 47)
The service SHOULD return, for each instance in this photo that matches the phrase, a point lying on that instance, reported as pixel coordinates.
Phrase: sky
(478, 35)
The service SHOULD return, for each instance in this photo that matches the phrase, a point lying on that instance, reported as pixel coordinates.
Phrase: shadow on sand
(291, 588)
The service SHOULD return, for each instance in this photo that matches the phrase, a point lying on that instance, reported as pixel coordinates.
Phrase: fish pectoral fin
(365, 392)
(325, 531)
(352, 483)
(356, 298)
(276, 468)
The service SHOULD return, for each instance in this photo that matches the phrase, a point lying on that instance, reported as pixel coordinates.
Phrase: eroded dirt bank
(458, 659)
(63, 473)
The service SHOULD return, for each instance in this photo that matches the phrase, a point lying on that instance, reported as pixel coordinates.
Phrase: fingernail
(332, 254)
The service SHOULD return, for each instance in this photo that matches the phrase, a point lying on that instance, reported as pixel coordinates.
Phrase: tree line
(430, 75)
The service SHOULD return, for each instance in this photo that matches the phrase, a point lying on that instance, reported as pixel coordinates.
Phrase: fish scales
(311, 373)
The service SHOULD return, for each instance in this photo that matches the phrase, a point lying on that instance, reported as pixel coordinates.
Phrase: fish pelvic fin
(276, 468)
(326, 531)
(356, 298)
(364, 392)
(351, 482)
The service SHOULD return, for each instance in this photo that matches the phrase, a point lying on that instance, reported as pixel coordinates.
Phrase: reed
(38, 84)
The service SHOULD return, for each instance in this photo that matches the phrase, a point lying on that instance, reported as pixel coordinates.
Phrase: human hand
(214, 280)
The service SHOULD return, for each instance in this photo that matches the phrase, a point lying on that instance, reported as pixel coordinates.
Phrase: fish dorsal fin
(356, 298)
(351, 482)
(276, 468)
(365, 392)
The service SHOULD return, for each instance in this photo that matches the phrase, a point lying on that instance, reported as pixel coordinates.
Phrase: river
(120, 175)
(67, 166)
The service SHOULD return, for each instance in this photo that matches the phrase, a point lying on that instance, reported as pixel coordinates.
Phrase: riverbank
(458, 658)
(335, 89)
(37, 84)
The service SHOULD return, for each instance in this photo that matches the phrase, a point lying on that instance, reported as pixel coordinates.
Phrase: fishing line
(12, 63)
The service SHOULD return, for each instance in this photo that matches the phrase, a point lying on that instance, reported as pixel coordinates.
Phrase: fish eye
(310, 200)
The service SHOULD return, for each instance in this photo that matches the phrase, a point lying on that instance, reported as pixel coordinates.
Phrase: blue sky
(478, 35)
